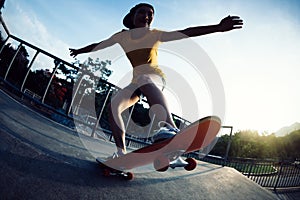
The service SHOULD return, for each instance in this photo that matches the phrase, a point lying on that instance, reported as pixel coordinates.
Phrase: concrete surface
(40, 159)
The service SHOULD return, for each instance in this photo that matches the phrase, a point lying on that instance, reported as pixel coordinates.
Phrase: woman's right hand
(74, 52)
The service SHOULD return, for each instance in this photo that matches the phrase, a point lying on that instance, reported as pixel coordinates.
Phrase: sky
(258, 65)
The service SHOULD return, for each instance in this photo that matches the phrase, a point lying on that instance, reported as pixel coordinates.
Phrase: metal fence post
(229, 143)
(278, 177)
(49, 83)
(151, 125)
(29, 67)
(12, 61)
(74, 95)
(129, 118)
(101, 112)
(251, 167)
(4, 44)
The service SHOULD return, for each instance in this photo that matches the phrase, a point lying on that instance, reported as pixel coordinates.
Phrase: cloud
(27, 26)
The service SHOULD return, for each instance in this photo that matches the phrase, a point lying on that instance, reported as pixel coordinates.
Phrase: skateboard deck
(192, 138)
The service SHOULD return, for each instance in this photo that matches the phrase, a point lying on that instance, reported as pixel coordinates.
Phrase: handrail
(43, 51)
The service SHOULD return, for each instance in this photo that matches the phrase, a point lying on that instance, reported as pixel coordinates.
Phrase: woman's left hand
(229, 23)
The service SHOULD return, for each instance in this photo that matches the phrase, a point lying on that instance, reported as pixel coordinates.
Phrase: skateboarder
(140, 44)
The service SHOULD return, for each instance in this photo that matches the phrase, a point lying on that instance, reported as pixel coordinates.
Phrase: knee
(114, 109)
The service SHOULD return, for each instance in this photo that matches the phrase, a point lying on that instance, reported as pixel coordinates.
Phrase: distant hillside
(287, 129)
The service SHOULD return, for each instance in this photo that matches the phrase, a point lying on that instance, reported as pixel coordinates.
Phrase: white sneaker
(115, 155)
(179, 162)
(164, 133)
(103, 161)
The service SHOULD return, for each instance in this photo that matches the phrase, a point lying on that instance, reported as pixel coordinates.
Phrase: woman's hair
(127, 21)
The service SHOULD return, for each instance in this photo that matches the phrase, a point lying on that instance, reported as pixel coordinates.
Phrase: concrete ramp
(40, 159)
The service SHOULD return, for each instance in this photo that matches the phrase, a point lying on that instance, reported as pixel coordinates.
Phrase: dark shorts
(146, 79)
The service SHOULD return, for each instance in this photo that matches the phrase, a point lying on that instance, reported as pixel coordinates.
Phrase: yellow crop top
(141, 52)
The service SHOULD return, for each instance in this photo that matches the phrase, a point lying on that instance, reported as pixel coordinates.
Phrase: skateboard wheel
(161, 164)
(192, 164)
(106, 172)
(129, 176)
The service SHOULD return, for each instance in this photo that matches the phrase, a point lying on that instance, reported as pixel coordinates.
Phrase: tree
(90, 80)
(19, 66)
(221, 146)
(92, 72)
(1, 5)
(292, 144)
(250, 144)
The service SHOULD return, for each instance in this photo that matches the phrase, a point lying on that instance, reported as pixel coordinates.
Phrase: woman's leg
(124, 99)
(157, 101)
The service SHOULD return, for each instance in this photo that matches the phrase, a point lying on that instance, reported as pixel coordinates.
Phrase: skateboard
(197, 135)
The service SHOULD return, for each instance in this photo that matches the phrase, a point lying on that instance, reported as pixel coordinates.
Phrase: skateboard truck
(162, 164)
(179, 162)
(175, 160)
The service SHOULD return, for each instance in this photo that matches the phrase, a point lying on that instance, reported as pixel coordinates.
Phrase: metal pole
(4, 44)
(49, 83)
(229, 142)
(101, 112)
(12, 61)
(80, 101)
(129, 117)
(29, 67)
(151, 124)
(279, 174)
(74, 95)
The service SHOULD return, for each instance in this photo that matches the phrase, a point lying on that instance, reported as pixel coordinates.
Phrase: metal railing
(266, 172)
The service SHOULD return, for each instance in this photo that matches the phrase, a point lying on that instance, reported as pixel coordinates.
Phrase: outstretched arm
(92, 47)
(227, 24)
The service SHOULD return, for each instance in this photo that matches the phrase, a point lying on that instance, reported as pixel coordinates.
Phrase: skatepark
(41, 159)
